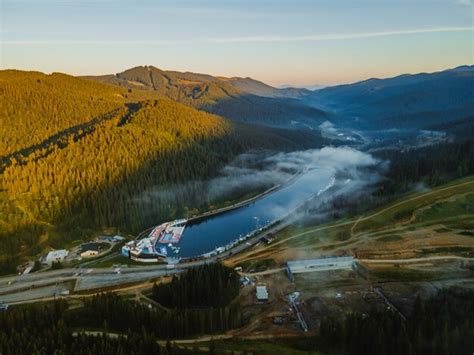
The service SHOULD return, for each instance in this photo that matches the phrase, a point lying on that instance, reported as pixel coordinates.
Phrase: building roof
(262, 293)
(319, 262)
(57, 254)
(89, 247)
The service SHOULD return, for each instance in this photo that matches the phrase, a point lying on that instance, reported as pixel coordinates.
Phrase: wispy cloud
(249, 39)
(342, 36)
(87, 41)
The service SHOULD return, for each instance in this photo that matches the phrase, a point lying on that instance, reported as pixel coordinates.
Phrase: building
(321, 264)
(90, 249)
(159, 243)
(118, 238)
(262, 293)
(56, 256)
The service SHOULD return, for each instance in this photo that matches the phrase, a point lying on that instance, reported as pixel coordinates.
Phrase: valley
(261, 177)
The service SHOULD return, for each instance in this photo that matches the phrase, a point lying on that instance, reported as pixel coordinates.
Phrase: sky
(292, 42)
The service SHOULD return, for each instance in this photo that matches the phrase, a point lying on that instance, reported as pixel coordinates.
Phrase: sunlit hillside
(75, 153)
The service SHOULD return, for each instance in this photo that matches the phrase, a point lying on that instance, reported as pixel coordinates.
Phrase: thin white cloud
(250, 39)
(87, 41)
(341, 36)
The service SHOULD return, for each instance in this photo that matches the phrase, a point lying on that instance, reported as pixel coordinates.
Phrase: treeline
(42, 329)
(213, 285)
(54, 329)
(116, 313)
(440, 325)
(432, 165)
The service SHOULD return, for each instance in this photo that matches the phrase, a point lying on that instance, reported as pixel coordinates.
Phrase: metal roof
(319, 262)
(262, 293)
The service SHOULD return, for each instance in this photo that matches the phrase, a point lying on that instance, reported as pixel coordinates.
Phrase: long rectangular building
(321, 264)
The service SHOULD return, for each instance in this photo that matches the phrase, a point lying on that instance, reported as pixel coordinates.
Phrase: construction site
(296, 305)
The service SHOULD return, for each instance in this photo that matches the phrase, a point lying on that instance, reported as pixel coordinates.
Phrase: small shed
(262, 293)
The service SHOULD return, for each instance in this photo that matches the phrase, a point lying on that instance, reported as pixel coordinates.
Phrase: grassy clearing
(402, 210)
(315, 235)
(258, 265)
(462, 206)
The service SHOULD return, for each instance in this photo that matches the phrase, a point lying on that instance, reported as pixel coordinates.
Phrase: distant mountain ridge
(152, 78)
(408, 100)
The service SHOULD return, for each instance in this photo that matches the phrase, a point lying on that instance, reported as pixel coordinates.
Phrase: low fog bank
(356, 172)
(253, 170)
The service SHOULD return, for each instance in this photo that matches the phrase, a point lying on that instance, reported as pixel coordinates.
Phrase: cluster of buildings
(86, 250)
(159, 242)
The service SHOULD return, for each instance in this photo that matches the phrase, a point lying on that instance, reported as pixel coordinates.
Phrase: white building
(321, 264)
(56, 256)
(262, 293)
(118, 238)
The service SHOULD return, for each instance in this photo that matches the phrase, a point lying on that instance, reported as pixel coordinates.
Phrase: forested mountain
(36, 106)
(405, 101)
(75, 153)
(240, 99)
(152, 78)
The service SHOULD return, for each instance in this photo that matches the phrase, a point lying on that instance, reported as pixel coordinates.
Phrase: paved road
(48, 284)
(27, 287)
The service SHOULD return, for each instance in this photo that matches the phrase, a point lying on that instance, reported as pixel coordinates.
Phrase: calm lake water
(220, 230)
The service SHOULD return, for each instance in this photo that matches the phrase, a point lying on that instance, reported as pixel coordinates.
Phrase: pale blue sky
(299, 42)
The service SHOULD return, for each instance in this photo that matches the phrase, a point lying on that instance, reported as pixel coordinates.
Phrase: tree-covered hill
(240, 99)
(72, 164)
(36, 106)
(152, 78)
